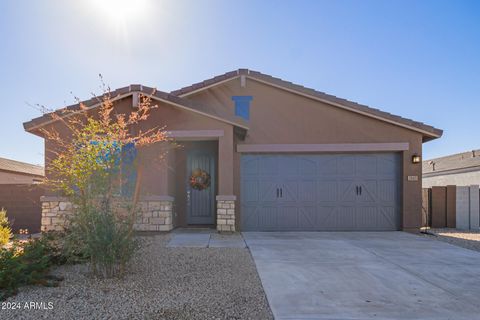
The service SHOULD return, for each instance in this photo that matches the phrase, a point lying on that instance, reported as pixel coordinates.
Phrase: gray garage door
(321, 192)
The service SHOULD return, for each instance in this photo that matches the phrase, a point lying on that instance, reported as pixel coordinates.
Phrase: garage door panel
(307, 167)
(289, 191)
(388, 165)
(327, 165)
(321, 192)
(325, 217)
(344, 218)
(287, 218)
(388, 217)
(267, 166)
(268, 190)
(366, 218)
(267, 218)
(345, 166)
(251, 191)
(288, 166)
(366, 166)
(249, 166)
(387, 191)
(346, 191)
(307, 218)
(327, 190)
(369, 191)
(307, 191)
(250, 217)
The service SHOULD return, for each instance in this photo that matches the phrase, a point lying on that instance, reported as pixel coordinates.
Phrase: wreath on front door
(200, 179)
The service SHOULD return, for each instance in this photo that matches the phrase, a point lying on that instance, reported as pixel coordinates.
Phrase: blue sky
(418, 59)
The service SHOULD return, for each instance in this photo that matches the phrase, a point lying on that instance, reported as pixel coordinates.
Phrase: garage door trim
(324, 147)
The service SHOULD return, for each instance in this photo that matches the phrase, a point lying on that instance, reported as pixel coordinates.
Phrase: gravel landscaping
(469, 239)
(163, 283)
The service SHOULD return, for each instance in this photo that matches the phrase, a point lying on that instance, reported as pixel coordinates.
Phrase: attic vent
(242, 106)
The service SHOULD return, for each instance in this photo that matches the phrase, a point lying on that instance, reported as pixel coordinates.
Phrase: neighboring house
(16, 172)
(20, 194)
(461, 169)
(280, 157)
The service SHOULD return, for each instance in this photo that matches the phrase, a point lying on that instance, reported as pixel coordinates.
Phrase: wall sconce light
(416, 159)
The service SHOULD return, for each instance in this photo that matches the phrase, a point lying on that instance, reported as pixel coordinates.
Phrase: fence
(22, 202)
(451, 207)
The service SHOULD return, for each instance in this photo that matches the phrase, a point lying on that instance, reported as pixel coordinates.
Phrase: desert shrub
(5, 230)
(64, 248)
(107, 239)
(24, 264)
(92, 165)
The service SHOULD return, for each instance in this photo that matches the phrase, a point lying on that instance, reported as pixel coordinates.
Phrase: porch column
(225, 198)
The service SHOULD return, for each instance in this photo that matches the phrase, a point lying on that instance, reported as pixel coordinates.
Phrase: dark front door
(201, 162)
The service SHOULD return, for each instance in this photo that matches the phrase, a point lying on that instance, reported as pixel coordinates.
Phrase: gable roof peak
(428, 132)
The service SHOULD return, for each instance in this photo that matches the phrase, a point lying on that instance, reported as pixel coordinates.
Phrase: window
(125, 164)
(242, 106)
(128, 174)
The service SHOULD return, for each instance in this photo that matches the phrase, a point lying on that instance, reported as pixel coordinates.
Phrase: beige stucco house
(279, 156)
(16, 172)
(20, 193)
(460, 169)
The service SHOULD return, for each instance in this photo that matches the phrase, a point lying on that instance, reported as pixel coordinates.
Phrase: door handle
(281, 192)
(360, 190)
(278, 192)
(356, 190)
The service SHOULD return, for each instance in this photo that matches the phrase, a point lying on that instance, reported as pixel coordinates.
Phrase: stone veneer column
(226, 213)
(156, 214)
(55, 211)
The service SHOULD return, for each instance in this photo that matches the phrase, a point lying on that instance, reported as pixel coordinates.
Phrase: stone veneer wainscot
(155, 214)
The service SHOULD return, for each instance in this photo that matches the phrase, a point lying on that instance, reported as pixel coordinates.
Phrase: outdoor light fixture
(416, 158)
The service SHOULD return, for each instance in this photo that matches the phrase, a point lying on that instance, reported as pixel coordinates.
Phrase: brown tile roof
(459, 161)
(126, 91)
(21, 167)
(429, 131)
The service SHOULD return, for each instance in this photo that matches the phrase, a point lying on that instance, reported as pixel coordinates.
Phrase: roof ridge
(457, 155)
(346, 100)
(311, 92)
(20, 162)
(21, 167)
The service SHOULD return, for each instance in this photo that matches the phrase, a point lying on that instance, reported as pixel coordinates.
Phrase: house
(16, 172)
(20, 194)
(461, 169)
(278, 156)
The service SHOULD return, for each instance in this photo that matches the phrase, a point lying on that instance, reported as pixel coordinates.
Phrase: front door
(201, 183)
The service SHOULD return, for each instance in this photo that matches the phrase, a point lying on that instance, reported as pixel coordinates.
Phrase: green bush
(65, 248)
(106, 239)
(5, 235)
(5, 231)
(25, 264)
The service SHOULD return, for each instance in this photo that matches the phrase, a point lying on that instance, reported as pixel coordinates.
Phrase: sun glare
(121, 11)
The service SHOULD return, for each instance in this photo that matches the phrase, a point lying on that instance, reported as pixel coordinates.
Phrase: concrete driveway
(367, 275)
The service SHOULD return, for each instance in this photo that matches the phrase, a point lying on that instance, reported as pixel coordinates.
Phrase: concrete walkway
(367, 275)
(205, 238)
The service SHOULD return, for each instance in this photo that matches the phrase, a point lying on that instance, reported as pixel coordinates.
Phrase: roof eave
(33, 125)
